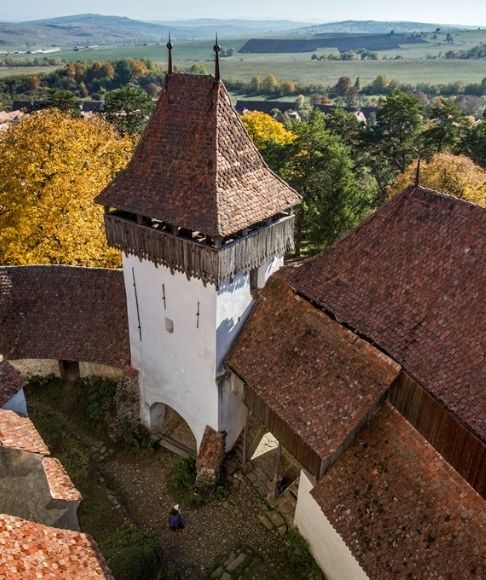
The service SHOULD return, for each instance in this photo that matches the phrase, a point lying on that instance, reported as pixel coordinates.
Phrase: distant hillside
(244, 26)
(376, 27)
(342, 43)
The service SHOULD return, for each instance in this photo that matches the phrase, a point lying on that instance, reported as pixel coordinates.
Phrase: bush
(299, 559)
(181, 486)
(133, 554)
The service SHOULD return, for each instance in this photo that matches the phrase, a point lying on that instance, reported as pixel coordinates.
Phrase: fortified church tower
(202, 222)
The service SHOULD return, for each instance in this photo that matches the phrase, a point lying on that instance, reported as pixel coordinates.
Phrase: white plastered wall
(180, 368)
(176, 368)
(328, 548)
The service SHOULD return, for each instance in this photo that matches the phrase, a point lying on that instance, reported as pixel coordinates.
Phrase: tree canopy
(53, 166)
(454, 174)
(265, 130)
(128, 108)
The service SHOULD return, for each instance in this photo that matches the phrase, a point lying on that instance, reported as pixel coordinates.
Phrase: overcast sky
(470, 12)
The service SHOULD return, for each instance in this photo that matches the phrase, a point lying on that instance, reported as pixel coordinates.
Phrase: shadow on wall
(227, 332)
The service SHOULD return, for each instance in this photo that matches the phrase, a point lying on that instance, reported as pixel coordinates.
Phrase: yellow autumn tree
(454, 174)
(52, 167)
(264, 129)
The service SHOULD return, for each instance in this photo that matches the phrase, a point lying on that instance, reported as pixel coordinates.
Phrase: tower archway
(172, 428)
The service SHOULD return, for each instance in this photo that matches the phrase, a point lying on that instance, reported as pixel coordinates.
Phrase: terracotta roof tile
(30, 550)
(11, 381)
(63, 312)
(412, 279)
(401, 509)
(60, 484)
(196, 167)
(318, 377)
(18, 432)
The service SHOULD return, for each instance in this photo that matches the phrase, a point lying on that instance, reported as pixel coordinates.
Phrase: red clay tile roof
(30, 550)
(412, 279)
(401, 509)
(63, 312)
(18, 432)
(11, 381)
(60, 484)
(318, 377)
(196, 167)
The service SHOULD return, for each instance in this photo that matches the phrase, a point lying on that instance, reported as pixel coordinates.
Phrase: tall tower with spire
(202, 223)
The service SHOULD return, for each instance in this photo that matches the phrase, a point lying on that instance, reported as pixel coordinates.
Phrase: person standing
(175, 519)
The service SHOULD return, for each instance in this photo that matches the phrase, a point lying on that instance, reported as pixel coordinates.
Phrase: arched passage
(172, 427)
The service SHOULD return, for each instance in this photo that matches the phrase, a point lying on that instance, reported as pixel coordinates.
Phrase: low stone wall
(210, 458)
(39, 367)
(92, 369)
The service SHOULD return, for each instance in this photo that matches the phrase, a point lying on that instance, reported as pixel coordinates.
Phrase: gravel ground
(212, 531)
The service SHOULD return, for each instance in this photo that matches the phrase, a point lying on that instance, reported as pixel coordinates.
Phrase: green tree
(447, 126)
(127, 109)
(65, 101)
(475, 143)
(394, 140)
(343, 86)
(320, 167)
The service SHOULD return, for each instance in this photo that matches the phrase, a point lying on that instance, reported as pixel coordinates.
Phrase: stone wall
(210, 458)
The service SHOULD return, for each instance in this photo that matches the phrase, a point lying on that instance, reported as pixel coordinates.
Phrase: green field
(25, 70)
(414, 66)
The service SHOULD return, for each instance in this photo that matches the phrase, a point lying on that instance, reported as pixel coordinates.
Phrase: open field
(25, 70)
(414, 66)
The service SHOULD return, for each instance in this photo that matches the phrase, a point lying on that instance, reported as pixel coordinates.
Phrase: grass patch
(133, 554)
(299, 560)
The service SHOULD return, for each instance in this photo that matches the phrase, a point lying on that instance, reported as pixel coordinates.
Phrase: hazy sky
(470, 12)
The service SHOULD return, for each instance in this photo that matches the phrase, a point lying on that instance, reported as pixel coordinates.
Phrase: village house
(366, 362)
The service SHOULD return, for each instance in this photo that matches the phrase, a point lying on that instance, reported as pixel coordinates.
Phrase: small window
(254, 279)
(169, 325)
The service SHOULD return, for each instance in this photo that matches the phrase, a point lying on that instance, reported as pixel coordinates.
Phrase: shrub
(181, 485)
(133, 554)
(299, 559)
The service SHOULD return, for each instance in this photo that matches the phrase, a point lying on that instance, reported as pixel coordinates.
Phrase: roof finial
(417, 174)
(170, 46)
(217, 50)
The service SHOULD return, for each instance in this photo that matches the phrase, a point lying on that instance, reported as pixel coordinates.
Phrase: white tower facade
(202, 223)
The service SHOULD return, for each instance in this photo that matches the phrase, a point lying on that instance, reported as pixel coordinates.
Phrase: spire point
(217, 50)
(170, 46)
(417, 174)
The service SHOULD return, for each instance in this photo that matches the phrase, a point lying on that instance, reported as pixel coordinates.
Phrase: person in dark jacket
(175, 519)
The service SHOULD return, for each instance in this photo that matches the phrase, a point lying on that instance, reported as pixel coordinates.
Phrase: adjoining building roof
(18, 432)
(59, 482)
(401, 509)
(319, 378)
(31, 550)
(412, 280)
(63, 312)
(11, 381)
(196, 167)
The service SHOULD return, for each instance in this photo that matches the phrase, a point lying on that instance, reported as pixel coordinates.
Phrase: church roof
(196, 167)
(325, 381)
(64, 312)
(412, 280)
(402, 510)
